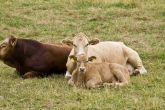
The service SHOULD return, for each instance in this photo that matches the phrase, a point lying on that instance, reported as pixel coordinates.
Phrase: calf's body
(98, 74)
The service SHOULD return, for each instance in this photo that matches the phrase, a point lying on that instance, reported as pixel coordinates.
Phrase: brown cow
(32, 58)
(94, 75)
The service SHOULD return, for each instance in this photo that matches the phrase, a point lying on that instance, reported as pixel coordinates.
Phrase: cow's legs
(70, 68)
(16, 72)
(31, 74)
(135, 61)
(68, 75)
(130, 68)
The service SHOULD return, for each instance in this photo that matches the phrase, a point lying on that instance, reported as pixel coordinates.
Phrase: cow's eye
(86, 61)
(74, 45)
(77, 61)
(3, 46)
(87, 44)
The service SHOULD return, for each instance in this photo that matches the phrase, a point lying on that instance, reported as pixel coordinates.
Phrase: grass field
(140, 24)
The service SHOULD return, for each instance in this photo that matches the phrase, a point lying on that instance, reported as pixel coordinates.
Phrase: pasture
(140, 24)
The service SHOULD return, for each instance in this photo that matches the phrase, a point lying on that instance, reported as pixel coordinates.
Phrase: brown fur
(32, 58)
(97, 74)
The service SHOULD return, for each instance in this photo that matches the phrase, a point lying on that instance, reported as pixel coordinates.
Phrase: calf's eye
(4, 46)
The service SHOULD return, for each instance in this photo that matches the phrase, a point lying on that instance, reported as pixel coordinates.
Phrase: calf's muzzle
(82, 69)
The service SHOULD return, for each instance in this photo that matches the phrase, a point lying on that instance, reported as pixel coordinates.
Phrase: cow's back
(42, 58)
(57, 54)
(111, 52)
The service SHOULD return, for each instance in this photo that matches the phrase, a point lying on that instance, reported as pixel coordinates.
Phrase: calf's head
(7, 47)
(82, 62)
(80, 43)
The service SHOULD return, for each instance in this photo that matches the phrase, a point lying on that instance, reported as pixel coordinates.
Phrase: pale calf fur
(111, 52)
(93, 75)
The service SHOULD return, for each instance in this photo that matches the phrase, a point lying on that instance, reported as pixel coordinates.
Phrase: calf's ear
(73, 58)
(13, 40)
(92, 58)
(94, 41)
(67, 42)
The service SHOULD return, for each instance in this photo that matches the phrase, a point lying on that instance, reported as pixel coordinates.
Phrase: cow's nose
(82, 68)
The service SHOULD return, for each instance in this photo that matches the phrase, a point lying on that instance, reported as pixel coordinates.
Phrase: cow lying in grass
(111, 52)
(32, 58)
(93, 75)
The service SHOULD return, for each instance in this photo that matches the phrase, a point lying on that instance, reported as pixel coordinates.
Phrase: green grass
(140, 24)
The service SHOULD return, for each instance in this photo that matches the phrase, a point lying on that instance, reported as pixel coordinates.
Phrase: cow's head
(80, 43)
(82, 62)
(7, 47)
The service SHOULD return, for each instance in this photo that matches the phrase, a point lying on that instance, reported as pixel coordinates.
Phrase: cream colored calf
(92, 75)
(111, 52)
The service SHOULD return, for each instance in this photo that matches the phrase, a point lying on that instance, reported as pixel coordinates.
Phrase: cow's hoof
(136, 72)
(68, 76)
(16, 72)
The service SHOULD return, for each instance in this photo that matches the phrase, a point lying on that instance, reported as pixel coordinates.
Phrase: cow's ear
(92, 58)
(73, 58)
(13, 40)
(94, 41)
(67, 42)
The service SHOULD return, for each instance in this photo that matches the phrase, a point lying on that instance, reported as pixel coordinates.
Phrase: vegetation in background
(140, 24)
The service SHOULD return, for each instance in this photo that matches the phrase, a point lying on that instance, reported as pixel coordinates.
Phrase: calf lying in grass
(92, 75)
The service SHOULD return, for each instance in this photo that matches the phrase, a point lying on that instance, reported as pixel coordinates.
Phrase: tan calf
(93, 75)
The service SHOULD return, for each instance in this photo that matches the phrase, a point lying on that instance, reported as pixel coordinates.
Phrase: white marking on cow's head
(80, 43)
(6, 46)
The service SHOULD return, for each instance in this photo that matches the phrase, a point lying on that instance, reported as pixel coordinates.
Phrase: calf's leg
(70, 82)
(108, 84)
(115, 84)
(122, 77)
(94, 84)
